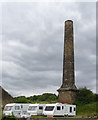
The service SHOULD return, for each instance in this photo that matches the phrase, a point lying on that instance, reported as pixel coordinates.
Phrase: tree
(84, 96)
(21, 99)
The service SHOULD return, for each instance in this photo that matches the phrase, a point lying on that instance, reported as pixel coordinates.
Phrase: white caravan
(59, 109)
(16, 109)
(36, 109)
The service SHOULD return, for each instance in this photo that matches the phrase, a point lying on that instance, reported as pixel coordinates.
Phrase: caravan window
(40, 107)
(49, 108)
(62, 107)
(8, 108)
(21, 106)
(74, 109)
(32, 108)
(70, 109)
(17, 107)
(58, 108)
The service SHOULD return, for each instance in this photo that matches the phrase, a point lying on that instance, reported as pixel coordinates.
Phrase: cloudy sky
(32, 45)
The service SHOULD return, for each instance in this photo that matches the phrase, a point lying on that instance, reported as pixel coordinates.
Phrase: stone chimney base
(67, 96)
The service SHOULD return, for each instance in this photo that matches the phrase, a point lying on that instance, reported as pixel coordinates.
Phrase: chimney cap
(68, 21)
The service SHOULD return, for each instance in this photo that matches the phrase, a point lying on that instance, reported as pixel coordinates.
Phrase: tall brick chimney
(68, 90)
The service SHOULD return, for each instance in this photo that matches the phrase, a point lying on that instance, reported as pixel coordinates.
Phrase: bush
(85, 96)
(9, 118)
(33, 98)
(46, 97)
(21, 99)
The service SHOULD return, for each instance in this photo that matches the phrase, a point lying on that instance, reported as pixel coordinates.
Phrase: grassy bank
(87, 109)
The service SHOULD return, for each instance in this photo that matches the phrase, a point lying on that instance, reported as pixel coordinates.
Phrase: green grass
(9, 118)
(87, 109)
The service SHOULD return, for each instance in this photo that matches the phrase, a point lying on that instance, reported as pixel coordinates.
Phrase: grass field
(87, 109)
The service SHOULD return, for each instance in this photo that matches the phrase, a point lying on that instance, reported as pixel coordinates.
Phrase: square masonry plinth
(67, 96)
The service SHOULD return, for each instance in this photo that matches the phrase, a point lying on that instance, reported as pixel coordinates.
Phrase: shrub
(9, 118)
(84, 96)
(47, 97)
(21, 99)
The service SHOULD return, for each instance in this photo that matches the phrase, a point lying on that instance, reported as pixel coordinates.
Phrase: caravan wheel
(66, 115)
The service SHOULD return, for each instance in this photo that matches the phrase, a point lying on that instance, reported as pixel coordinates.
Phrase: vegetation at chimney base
(86, 102)
(85, 96)
(87, 109)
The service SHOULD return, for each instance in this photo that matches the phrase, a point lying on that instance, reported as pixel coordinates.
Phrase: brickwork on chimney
(68, 90)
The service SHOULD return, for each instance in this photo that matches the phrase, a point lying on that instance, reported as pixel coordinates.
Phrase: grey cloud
(33, 38)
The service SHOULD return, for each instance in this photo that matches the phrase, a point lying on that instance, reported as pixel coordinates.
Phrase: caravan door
(72, 110)
(17, 110)
(59, 110)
